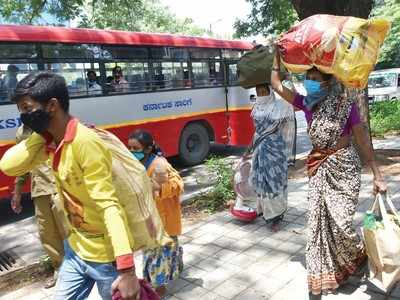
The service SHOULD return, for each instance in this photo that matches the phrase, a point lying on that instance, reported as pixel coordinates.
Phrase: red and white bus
(181, 89)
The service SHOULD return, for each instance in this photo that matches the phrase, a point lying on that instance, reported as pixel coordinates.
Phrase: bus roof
(49, 34)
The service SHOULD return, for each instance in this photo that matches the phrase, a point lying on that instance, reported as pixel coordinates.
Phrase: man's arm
(24, 157)
(17, 193)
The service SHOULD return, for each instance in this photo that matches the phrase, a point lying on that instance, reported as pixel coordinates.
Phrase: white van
(384, 85)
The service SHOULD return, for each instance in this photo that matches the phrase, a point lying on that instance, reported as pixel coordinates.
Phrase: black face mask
(37, 120)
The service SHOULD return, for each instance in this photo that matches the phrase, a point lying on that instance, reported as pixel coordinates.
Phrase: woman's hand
(380, 186)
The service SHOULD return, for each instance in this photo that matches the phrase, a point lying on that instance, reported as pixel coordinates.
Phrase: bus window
(71, 51)
(205, 53)
(174, 74)
(216, 74)
(232, 74)
(231, 54)
(13, 51)
(180, 54)
(133, 77)
(125, 52)
(10, 75)
(201, 74)
(398, 81)
(76, 76)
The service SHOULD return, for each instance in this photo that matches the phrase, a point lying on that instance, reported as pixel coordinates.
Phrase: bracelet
(276, 69)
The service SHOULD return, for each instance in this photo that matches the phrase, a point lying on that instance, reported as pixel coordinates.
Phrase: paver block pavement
(231, 288)
(191, 291)
(212, 296)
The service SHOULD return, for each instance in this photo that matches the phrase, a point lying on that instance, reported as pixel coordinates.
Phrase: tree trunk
(355, 8)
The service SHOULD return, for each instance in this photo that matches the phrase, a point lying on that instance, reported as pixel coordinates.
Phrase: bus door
(238, 107)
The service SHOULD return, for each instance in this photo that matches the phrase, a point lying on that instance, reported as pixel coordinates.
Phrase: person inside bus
(120, 85)
(44, 195)
(109, 87)
(10, 80)
(92, 85)
(159, 79)
(163, 264)
(186, 80)
(99, 247)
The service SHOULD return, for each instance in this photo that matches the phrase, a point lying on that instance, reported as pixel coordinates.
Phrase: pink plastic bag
(146, 292)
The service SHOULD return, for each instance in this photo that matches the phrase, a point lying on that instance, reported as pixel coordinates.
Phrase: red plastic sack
(146, 292)
(347, 47)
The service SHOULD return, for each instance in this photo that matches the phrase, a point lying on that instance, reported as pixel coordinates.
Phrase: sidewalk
(228, 259)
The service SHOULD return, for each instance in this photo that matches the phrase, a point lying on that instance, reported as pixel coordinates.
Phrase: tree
(267, 17)
(390, 53)
(355, 8)
(134, 15)
(142, 15)
(31, 12)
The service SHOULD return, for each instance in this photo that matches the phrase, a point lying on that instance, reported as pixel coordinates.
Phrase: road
(196, 178)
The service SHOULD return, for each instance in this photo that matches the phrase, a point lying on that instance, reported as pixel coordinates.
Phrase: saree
(334, 251)
(273, 145)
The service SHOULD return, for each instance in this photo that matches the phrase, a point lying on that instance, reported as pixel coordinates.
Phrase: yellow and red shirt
(82, 167)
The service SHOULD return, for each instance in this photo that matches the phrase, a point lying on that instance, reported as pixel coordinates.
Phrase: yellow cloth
(83, 176)
(168, 198)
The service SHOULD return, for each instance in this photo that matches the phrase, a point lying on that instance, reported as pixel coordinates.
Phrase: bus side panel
(240, 121)
(242, 127)
(167, 133)
(163, 113)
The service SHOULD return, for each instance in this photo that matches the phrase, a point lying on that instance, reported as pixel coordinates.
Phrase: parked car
(384, 85)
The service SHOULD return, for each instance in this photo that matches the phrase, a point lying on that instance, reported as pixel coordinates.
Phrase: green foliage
(385, 117)
(132, 15)
(139, 15)
(31, 12)
(390, 52)
(222, 189)
(267, 17)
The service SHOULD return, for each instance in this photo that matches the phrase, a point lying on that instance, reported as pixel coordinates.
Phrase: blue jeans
(76, 277)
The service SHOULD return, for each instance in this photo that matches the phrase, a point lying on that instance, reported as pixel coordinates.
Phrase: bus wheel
(194, 144)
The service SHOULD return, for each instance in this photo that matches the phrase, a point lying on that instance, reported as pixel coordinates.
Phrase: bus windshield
(382, 80)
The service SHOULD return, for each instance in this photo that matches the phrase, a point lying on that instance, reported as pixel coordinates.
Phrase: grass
(385, 117)
(222, 190)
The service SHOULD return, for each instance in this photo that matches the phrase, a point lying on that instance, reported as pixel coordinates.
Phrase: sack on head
(347, 47)
(254, 67)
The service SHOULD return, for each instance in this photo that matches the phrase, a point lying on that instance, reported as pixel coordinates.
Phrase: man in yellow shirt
(43, 193)
(98, 249)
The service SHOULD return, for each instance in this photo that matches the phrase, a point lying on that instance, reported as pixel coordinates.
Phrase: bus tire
(194, 144)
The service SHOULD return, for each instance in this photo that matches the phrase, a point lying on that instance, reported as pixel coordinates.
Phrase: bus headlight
(381, 98)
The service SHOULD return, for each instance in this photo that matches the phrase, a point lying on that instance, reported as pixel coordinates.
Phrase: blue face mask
(315, 93)
(138, 154)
